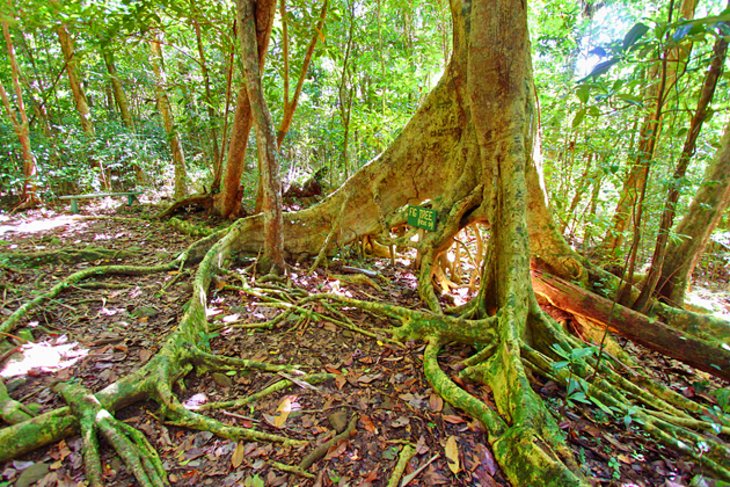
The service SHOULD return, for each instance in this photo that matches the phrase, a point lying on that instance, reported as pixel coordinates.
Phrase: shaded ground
(100, 331)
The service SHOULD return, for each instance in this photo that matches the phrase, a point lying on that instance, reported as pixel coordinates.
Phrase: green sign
(422, 217)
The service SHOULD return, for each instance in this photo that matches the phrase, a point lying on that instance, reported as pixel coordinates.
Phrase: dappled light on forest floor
(37, 224)
(378, 380)
(44, 357)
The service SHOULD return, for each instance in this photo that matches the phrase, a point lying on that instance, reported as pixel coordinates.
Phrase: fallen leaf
(144, 355)
(368, 424)
(237, 458)
(453, 419)
(435, 402)
(286, 406)
(452, 454)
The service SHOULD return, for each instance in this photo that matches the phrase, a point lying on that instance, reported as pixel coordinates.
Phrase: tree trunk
(228, 202)
(21, 127)
(163, 104)
(273, 256)
(663, 78)
(704, 213)
(212, 119)
(69, 56)
(118, 91)
(290, 106)
(690, 143)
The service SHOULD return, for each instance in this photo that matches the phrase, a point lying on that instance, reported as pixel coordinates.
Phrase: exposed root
(131, 445)
(321, 450)
(275, 387)
(12, 321)
(12, 411)
(69, 255)
(198, 201)
(406, 453)
(188, 228)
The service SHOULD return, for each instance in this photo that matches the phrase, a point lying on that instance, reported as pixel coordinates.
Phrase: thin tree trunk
(208, 96)
(273, 255)
(228, 204)
(704, 213)
(690, 144)
(117, 89)
(671, 63)
(582, 184)
(290, 106)
(163, 104)
(80, 100)
(29, 196)
(218, 169)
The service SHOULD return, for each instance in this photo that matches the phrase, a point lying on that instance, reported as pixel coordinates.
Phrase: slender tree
(163, 104)
(688, 150)
(703, 215)
(661, 79)
(20, 124)
(273, 257)
(228, 201)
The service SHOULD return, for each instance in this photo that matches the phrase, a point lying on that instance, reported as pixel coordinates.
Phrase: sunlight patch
(43, 357)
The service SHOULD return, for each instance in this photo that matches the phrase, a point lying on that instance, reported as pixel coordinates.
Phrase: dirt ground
(98, 331)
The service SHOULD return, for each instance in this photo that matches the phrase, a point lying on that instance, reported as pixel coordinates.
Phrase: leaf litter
(122, 321)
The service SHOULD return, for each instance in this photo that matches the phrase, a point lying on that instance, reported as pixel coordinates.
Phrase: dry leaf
(368, 424)
(237, 458)
(452, 454)
(145, 355)
(435, 403)
(453, 419)
(286, 406)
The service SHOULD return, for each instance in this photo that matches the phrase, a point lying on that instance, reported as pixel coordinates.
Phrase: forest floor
(98, 331)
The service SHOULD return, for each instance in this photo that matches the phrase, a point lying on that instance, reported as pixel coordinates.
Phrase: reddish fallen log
(713, 358)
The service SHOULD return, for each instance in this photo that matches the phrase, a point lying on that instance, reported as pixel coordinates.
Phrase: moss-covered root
(12, 321)
(69, 255)
(12, 411)
(131, 445)
(526, 456)
(311, 379)
(405, 456)
(188, 228)
(178, 415)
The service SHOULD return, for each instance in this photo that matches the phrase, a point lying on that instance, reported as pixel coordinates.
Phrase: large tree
(470, 153)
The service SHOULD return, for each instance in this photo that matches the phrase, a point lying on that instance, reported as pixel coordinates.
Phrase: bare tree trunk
(29, 196)
(273, 256)
(290, 106)
(690, 143)
(208, 96)
(69, 56)
(117, 89)
(218, 169)
(704, 213)
(163, 103)
(634, 186)
(228, 203)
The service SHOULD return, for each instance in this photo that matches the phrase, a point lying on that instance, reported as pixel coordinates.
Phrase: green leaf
(630, 99)
(601, 406)
(636, 33)
(583, 92)
(579, 118)
(602, 68)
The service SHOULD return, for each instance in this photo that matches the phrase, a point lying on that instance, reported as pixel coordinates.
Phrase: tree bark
(69, 56)
(117, 89)
(163, 104)
(212, 119)
(663, 78)
(273, 256)
(290, 106)
(703, 215)
(29, 196)
(228, 202)
(690, 143)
